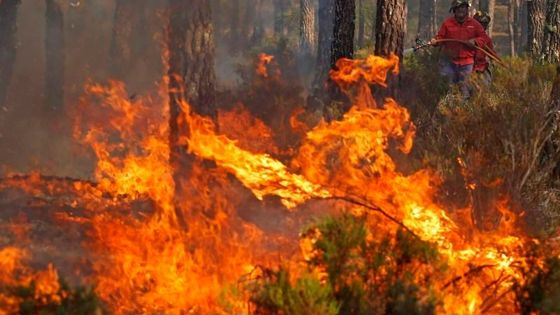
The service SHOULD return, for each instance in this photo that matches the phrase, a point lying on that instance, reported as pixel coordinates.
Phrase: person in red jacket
(458, 36)
(481, 65)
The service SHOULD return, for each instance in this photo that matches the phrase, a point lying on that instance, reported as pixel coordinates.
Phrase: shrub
(506, 138)
(361, 275)
(65, 300)
(539, 292)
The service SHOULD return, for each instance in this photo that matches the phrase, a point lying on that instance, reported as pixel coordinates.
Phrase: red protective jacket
(480, 58)
(459, 53)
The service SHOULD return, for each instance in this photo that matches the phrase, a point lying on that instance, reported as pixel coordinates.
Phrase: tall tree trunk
(511, 26)
(258, 27)
(551, 38)
(488, 6)
(121, 51)
(326, 19)
(191, 70)
(343, 31)
(235, 26)
(427, 19)
(390, 27)
(54, 44)
(361, 24)
(517, 25)
(8, 44)
(536, 13)
(307, 27)
(247, 24)
(191, 52)
(279, 18)
(523, 26)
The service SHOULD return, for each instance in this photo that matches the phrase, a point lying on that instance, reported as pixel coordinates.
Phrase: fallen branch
(466, 274)
(376, 209)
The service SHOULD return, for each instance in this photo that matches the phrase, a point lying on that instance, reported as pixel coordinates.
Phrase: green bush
(363, 276)
(79, 301)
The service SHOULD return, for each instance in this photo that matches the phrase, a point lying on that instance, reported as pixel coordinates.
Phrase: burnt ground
(49, 217)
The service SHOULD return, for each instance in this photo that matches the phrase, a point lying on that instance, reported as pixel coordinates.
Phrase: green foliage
(540, 291)
(363, 276)
(507, 131)
(307, 296)
(80, 301)
(424, 85)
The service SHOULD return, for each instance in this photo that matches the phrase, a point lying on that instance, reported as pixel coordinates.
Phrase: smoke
(34, 137)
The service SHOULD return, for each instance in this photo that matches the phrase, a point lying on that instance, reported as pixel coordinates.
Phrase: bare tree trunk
(247, 24)
(307, 27)
(517, 25)
(361, 24)
(279, 8)
(235, 27)
(121, 52)
(427, 19)
(523, 26)
(488, 6)
(390, 27)
(258, 27)
(191, 70)
(8, 44)
(191, 52)
(536, 12)
(326, 19)
(551, 38)
(511, 27)
(343, 31)
(54, 44)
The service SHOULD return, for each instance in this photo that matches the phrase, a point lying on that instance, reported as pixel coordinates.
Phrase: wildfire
(264, 60)
(151, 264)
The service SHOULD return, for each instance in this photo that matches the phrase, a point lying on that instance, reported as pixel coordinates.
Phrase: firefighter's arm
(442, 33)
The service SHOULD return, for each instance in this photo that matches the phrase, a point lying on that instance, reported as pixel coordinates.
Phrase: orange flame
(148, 264)
(264, 60)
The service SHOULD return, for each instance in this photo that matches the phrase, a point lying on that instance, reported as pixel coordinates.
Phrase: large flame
(146, 262)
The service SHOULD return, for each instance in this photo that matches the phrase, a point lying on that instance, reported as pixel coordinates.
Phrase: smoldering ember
(279, 157)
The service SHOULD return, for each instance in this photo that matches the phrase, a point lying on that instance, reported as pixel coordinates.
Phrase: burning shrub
(354, 273)
(27, 292)
(307, 296)
(79, 300)
(505, 140)
(540, 291)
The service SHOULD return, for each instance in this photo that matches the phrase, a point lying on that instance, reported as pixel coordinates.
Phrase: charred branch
(376, 209)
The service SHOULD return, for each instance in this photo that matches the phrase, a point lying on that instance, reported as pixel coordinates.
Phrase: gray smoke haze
(35, 138)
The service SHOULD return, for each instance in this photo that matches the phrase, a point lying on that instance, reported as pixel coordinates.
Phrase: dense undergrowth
(504, 140)
(503, 143)
(350, 272)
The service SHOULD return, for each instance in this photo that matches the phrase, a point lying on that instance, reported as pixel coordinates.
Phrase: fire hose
(485, 50)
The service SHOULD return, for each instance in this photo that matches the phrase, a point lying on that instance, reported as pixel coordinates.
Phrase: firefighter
(458, 36)
(481, 65)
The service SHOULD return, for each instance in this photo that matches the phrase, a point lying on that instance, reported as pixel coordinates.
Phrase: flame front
(147, 262)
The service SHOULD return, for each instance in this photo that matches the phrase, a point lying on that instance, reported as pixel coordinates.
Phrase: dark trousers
(457, 74)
